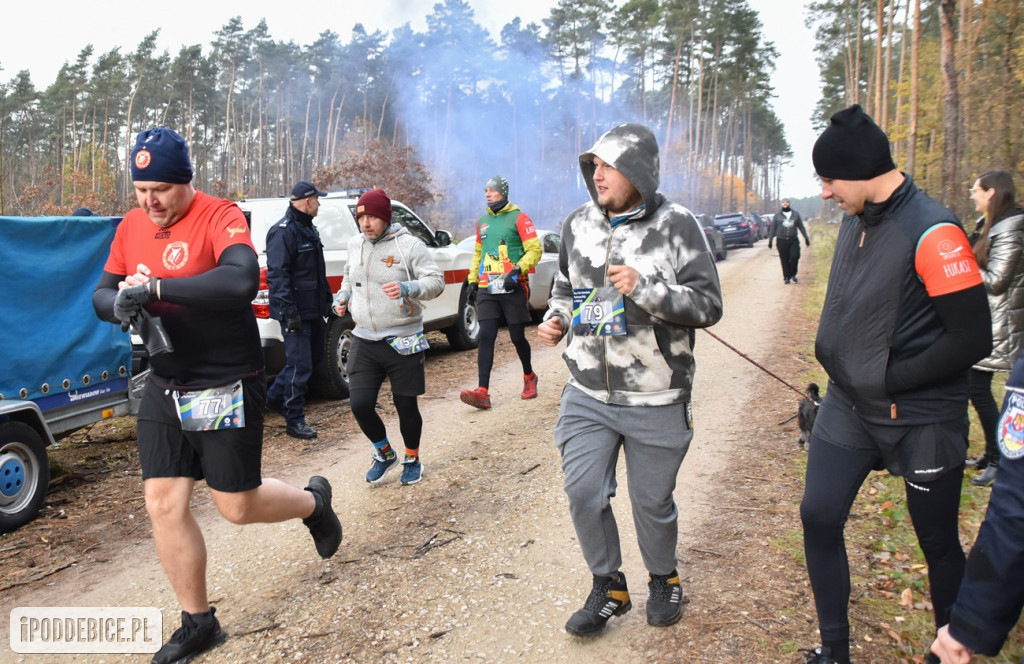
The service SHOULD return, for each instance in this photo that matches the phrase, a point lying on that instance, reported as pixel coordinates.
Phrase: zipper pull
(892, 411)
(863, 234)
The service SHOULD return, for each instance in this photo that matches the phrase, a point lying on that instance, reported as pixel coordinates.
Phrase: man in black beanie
(905, 317)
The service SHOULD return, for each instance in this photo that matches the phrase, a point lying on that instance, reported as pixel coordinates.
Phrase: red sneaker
(477, 398)
(530, 386)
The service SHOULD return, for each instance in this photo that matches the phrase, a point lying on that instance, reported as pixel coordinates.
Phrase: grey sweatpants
(589, 434)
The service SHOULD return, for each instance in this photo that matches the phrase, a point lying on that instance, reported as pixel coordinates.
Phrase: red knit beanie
(376, 204)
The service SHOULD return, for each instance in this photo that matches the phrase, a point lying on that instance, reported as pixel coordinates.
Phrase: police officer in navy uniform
(300, 298)
(991, 595)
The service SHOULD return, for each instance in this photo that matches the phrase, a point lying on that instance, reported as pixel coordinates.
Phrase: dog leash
(749, 359)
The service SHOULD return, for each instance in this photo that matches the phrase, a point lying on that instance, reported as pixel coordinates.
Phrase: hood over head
(633, 150)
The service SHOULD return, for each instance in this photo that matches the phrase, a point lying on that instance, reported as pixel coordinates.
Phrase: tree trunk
(951, 153)
(915, 89)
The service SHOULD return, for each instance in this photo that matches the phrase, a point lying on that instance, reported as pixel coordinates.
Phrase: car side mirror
(443, 238)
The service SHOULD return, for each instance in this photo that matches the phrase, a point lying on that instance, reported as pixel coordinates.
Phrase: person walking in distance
(905, 316)
(635, 278)
(785, 225)
(506, 249)
(300, 298)
(187, 258)
(999, 249)
(388, 275)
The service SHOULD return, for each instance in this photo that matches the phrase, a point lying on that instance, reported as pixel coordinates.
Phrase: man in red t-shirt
(187, 258)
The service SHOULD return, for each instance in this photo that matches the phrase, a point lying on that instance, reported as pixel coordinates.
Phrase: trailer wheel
(24, 474)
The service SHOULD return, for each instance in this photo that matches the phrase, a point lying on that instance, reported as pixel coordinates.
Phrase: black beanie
(852, 147)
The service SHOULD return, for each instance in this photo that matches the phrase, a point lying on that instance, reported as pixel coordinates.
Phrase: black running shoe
(189, 640)
(609, 597)
(820, 655)
(665, 601)
(326, 528)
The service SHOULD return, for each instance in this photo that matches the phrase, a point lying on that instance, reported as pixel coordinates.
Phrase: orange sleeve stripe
(945, 261)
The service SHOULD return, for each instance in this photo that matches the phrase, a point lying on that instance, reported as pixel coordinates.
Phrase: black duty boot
(665, 601)
(609, 597)
(190, 639)
(986, 477)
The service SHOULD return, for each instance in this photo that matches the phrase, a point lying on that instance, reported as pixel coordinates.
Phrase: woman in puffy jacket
(999, 248)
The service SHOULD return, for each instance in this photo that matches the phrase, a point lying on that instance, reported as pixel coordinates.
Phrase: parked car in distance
(714, 236)
(762, 225)
(449, 312)
(736, 228)
(542, 277)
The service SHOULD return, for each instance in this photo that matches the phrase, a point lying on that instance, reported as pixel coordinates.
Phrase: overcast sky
(70, 25)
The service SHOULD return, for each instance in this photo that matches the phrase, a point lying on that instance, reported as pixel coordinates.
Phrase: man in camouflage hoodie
(636, 276)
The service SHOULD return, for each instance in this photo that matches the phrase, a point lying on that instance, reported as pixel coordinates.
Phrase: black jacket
(296, 273)
(880, 336)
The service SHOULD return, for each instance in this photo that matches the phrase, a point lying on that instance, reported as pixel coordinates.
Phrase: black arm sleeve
(232, 283)
(967, 338)
(104, 295)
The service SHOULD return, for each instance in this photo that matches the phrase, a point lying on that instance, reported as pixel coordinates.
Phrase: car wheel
(24, 474)
(330, 380)
(464, 334)
(723, 253)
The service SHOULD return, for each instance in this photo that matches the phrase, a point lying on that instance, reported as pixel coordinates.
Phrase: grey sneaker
(380, 467)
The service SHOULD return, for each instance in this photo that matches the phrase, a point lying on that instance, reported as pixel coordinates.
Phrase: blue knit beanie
(160, 155)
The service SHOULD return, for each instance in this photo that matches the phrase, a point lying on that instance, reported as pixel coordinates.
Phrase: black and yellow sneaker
(193, 637)
(665, 601)
(609, 597)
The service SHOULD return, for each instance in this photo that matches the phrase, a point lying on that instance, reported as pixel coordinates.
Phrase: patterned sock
(384, 449)
(412, 456)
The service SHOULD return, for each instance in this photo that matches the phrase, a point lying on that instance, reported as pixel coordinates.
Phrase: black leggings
(979, 388)
(834, 475)
(485, 354)
(363, 403)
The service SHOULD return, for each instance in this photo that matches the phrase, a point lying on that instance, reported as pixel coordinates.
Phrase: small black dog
(805, 414)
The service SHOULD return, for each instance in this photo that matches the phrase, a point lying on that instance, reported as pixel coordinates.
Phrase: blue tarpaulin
(49, 333)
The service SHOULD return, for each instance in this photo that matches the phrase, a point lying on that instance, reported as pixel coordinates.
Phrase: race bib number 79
(598, 311)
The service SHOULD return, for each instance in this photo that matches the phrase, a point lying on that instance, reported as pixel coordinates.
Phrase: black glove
(471, 290)
(129, 303)
(769, 244)
(510, 279)
(294, 324)
(807, 243)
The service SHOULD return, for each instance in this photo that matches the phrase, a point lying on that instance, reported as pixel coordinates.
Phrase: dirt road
(478, 562)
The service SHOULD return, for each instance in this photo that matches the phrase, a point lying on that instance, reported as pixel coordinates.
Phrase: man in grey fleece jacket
(636, 276)
(388, 272)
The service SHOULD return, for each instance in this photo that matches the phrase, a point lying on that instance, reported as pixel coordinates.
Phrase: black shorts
(918, 453)
(229, 459)
(514, 307)
(369, 362)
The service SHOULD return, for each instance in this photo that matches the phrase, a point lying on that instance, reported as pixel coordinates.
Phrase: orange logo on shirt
(143, 159)
(175, 255)
(234, 231)
(390, 261)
